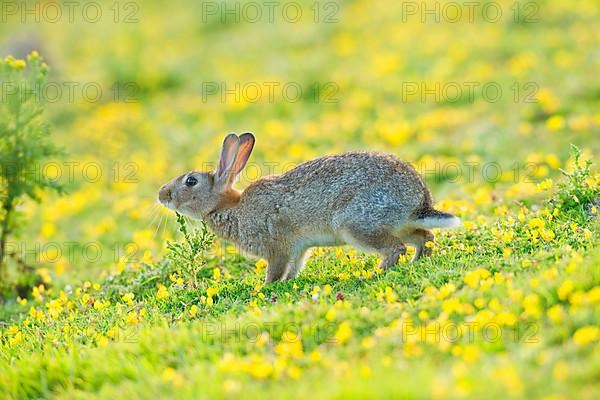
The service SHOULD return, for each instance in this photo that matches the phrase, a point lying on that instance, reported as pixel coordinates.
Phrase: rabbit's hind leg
(380, 240)
(419, 238)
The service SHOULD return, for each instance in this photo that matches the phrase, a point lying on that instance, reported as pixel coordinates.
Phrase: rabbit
(372, 201)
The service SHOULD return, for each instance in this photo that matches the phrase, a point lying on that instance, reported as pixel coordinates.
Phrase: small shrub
(579, 194)
(191, 253)
(25, 141)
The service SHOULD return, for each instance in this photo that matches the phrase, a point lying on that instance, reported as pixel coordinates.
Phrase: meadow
(114, 296)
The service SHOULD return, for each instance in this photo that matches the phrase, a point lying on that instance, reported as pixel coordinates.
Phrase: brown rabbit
(369, 200)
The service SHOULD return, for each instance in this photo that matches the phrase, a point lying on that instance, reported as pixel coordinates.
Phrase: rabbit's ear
(229, 152)
(246, 144)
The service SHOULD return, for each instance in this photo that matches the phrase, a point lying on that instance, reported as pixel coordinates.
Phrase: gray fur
(370, 200)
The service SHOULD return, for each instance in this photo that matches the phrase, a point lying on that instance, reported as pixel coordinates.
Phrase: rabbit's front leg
(296, 263)
(276, 268)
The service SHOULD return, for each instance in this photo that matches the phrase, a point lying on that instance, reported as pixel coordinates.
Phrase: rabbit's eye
(191, 181)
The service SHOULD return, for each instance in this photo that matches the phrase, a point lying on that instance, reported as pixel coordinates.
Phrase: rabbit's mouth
(165, 197)
(168, 204)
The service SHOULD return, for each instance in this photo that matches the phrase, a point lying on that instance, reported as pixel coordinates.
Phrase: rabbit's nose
(164, 194)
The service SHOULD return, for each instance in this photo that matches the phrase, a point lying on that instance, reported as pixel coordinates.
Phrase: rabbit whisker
(160, 221)
(154, 216)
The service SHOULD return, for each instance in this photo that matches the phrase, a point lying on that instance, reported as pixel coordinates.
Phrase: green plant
(192, 252)
(25, 140)
(580, 192)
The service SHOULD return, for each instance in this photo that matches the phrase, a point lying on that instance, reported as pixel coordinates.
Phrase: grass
(519, 281)
(469, 319)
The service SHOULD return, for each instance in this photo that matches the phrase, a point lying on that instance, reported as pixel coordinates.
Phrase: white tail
(449, 221)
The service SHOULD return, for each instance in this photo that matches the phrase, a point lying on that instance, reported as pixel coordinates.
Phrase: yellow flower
(330, 316)
(368, 342)
(365, 371)
(101, 305)
(545, 185)
(13, 330)
(162, 292)
(536, 223)
(412, 349)
(508, 376)
(315, 356)
(176, 279)
(531, 304)
(547, 235)
(480, 302)
(146, 258)
(494, 305)
(527, 263)
(555, 122)
(586, 335)
(144, 238)
(506, 318)
(48, 230)
(37, 292)
(565, 289)
(128, 299)
(576, 298)
(101, 340)
(470, 353)
(446, 290)
(468, 225)
(231, 386)
(343, 276)
(473, 278)
(193, 310)
(85, 299)
(211, 292)
(390, 296)
(112, 333)
(507, 236)
(260, 266)
(132, 318)
(552, 160)
(556, 314)
(594, 295)
(451, 305)
(290, 346)
(261, 369)
(294, 372)
(560, 371)
(170, 375)
(16, 339)
(515, 295)
(550, 274)
(343, 333)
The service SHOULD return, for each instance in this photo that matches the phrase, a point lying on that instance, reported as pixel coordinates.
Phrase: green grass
(525, 261)
(359, 334)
